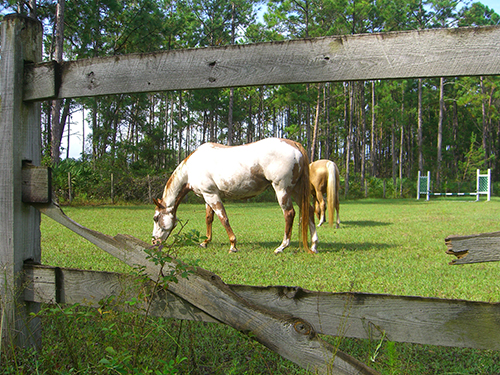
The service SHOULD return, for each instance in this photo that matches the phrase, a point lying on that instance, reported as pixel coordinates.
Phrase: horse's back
(271, 154)
(318, 173)
(246, 170)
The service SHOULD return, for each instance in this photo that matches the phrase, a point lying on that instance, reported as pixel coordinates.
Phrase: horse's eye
(156, 218)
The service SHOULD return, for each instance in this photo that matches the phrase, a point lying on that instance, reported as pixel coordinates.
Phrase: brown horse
(325, 178)
(215, 171)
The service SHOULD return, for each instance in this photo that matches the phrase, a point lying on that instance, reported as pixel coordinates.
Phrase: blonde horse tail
(304, 194)
(331, 191)
(337, 193)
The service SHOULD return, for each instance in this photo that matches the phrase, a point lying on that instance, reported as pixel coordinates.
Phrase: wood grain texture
(429, 321)
(36, 184)
(474, 248)
(291, 337)
(407, 54)
(20, 140)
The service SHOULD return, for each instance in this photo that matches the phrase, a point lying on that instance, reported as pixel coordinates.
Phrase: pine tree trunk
(372, 137)
(362, 116)
(401, 142)
(440, 131)
(316, 121)
(57, 127)
(419, 128)
(349, 135)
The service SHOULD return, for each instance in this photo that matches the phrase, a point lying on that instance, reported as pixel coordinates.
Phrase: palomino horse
(325, 178)
(215, 171)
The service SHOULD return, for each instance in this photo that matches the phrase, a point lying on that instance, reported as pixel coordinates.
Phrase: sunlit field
(382, 246)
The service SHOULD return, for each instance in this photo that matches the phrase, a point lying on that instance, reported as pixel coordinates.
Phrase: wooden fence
(285, 319)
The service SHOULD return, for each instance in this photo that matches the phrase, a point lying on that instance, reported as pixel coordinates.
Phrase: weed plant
(383, 246)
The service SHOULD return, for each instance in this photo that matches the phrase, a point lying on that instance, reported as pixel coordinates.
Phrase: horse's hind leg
(338, 217)
(319, 204)
(285, 202)
(289, 214)
(321, 207)
(312, 229)
(209, 219)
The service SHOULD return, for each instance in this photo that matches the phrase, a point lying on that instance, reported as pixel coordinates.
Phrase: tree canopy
(382, 129)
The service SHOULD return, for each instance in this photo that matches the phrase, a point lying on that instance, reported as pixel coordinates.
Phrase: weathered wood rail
(408, 54)
(474, 248)
(431, 321)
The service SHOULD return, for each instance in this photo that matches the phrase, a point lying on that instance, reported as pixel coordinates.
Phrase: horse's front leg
(217, 207)
(209, 219)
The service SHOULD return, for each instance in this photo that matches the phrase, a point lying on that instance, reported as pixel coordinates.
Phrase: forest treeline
(373, 130)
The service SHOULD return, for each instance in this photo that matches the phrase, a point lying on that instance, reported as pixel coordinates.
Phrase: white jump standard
(483, 186)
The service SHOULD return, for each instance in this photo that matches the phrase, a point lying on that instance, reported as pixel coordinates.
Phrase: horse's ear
(158, 203)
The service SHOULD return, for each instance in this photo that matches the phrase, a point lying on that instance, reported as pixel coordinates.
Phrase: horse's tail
(331, 191)
(337, 192)
(304, 194)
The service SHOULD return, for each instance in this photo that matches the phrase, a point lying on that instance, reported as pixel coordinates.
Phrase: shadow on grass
(364, 223)
(336, 247)
(328, 247)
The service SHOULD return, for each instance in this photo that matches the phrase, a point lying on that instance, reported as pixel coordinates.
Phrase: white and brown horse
(215, 172)
(325, 178)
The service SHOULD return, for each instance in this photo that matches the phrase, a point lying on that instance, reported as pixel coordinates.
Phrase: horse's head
(164, 222)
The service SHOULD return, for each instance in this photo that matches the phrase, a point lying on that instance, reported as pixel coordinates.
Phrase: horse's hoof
(313, 250)
(278, 251)
(233, 250)
(203, 245)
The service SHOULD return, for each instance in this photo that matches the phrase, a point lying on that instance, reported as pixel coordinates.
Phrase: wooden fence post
(20, 141)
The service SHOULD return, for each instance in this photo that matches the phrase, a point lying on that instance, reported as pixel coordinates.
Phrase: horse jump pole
(20, 144)
(483, 186)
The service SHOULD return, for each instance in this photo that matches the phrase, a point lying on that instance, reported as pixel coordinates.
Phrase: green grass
(382, 246)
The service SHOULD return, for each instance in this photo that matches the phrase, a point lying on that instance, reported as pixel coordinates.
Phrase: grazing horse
(215, 171)
(325, 178)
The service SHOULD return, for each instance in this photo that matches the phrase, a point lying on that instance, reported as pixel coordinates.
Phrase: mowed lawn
(382, 246)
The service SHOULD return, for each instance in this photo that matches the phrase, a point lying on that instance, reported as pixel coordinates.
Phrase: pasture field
(382, 246)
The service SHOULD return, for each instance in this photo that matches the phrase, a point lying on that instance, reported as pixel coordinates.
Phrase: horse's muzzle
(156, 241)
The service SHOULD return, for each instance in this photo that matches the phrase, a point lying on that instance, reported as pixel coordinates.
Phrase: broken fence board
(419, 320)
(475, 248)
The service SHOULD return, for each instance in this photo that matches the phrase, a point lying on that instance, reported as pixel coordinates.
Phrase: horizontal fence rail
(424, 53)
(431, 321)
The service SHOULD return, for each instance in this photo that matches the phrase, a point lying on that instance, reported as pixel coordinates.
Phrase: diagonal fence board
(452, 52)
(430, 321)
(289, 336)
(474, 248)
